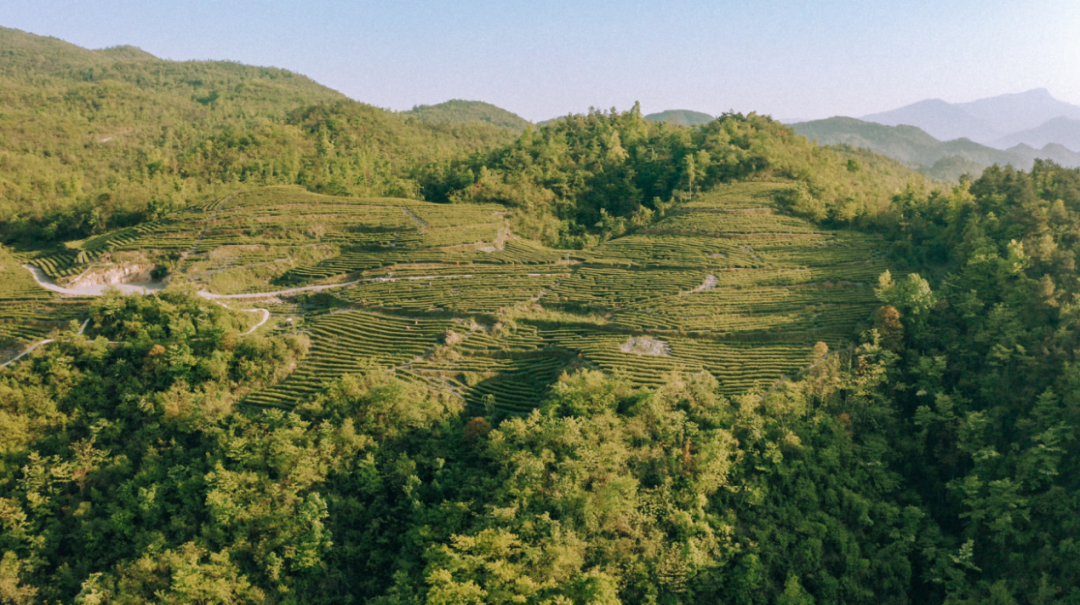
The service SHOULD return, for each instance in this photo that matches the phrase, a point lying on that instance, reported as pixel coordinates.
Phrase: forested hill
(95, 139)
(457, 111)
(587, 177)
(43, 62)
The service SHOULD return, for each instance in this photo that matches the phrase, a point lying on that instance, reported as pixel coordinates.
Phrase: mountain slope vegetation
(932, 462)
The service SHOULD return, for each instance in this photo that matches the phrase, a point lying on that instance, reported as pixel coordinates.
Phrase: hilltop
(50, 66)
(682, 117)
(459, 112)
(119, 137)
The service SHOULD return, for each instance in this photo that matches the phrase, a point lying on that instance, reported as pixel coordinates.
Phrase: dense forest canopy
(935, 461)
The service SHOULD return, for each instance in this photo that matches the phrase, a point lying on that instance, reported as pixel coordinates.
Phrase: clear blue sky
(786, 58)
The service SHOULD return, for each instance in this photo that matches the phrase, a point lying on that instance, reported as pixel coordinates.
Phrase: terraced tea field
(447, 296)
(29, 313)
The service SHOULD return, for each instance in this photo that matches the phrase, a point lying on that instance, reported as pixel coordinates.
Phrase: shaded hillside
(681, 117)
(982, 154)
(459, 112)
(951, 168)
(92, 139)
(1051, 151)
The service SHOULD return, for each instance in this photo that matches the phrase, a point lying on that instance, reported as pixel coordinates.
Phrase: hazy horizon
(788, 60)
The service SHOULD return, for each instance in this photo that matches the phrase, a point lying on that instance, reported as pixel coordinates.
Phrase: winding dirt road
(44, 281)
(36, 345)
(95, 290)
(134, 288)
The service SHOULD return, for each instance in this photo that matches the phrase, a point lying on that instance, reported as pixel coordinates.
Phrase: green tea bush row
(348, 342)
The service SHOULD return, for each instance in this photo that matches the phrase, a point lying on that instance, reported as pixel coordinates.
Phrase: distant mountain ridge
(1034, 118)
(935, 158)
(1064, 131)
(939, 119)
(1020, 111)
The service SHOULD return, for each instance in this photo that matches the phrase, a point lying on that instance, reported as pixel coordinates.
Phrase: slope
(908, 144)
(584, 178)
(724, 284)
